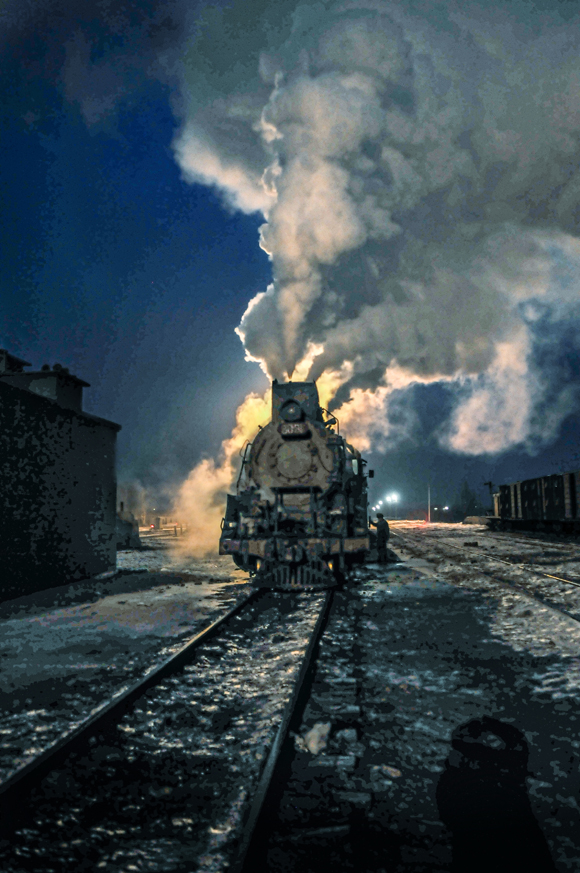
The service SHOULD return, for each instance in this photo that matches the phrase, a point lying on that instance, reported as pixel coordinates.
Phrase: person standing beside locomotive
(383, 532)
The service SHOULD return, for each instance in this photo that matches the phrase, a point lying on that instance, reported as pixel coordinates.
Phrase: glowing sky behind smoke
(412, 170)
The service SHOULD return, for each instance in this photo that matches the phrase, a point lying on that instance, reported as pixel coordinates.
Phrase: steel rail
(238, 864)
(535, 537)
(528, 567)
(518, 587)
(504, 536)
(105, 715)
(533, 570)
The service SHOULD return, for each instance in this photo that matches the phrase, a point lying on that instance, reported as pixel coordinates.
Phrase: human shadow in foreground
(483, 800)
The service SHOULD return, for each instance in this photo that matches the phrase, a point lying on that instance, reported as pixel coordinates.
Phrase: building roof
(11, 363)
(62, 373)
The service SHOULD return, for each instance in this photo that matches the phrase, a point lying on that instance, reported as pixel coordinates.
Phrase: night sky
(123, 265)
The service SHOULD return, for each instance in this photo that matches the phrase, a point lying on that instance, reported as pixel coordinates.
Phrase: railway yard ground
(433, 726)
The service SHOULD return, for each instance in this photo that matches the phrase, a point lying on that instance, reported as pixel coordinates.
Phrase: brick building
(57, 481)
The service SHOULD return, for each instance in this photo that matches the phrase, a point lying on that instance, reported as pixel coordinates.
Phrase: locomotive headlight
(291, 411)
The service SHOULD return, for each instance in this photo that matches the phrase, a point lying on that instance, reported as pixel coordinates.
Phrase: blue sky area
(135, 279)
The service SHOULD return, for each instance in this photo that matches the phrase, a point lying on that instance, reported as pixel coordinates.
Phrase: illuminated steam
(417, 165)
(201, 499)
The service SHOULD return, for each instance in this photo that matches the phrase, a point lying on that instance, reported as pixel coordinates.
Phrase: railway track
(177, 767)
(526, 537)
(562, 548)
(107, 713)
(520, 566)
(399, 670)
(532, 537)
(515, 583)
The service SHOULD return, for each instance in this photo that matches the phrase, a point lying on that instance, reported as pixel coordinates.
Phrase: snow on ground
(65, 650)
(475, 558)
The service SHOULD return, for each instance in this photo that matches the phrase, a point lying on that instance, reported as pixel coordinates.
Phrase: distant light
(445, 507)
(435, 507)
(392, 498)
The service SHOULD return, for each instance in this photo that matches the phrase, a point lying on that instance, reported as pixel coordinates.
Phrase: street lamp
(393, 498)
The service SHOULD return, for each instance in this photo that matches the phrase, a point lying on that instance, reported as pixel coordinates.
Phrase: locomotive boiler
(299, 515)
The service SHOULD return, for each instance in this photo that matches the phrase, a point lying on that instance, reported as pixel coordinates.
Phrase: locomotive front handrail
(247, 445)
(332, 419)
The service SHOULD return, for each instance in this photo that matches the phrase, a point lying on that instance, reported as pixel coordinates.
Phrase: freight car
(299, 515)
(546, 503)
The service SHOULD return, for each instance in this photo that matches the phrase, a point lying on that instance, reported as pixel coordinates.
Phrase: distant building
(127, 529)
(57, 481)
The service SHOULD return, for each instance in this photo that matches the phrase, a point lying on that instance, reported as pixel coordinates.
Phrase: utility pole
(429, 503)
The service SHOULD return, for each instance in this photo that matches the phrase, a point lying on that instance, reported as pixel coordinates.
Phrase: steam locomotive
(299, 517)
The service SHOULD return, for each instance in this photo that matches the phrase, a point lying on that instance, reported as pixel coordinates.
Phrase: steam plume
(417, 165)
(201, 499)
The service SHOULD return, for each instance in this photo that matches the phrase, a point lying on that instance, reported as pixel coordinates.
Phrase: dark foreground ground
(443, 728)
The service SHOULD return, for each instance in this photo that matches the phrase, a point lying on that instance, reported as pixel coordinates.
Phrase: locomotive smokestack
(296, 398)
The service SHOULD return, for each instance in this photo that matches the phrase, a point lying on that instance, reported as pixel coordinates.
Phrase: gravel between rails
(169, 788)
(540, 556)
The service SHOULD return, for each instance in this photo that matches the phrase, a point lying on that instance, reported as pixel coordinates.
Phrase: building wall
(57, 493)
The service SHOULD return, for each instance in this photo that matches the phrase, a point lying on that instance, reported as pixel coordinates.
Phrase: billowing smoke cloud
(417, 165)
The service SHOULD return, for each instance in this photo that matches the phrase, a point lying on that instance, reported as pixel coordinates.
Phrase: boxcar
(545, 503)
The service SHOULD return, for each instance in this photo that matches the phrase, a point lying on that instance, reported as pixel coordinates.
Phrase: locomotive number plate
(294, 428)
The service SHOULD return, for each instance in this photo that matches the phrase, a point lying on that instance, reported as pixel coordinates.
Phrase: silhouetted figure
(383, 532)
(483, 800)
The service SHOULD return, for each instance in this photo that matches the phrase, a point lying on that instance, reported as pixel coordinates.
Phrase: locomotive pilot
(382, 526)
